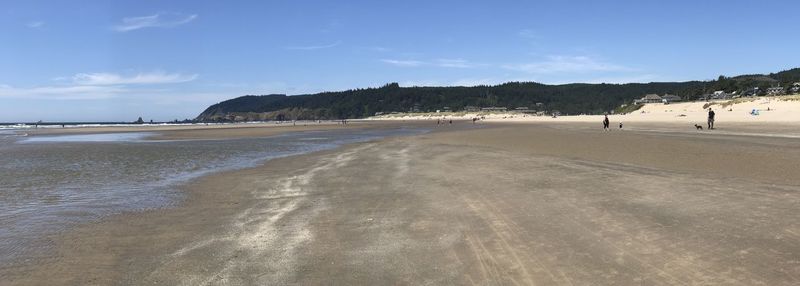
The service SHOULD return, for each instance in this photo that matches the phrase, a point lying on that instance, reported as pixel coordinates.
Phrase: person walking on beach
(606, 124)
(711, 119)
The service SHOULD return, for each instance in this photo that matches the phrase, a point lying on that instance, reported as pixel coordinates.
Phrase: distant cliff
(567, 98)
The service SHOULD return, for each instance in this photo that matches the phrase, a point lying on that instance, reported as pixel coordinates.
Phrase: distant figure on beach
(438, 121)
(606, 123)
(474, 119)
(451, 121)
(620, 125)
(711, 119)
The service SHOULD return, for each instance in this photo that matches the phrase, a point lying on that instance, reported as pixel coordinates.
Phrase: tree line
(577, 98)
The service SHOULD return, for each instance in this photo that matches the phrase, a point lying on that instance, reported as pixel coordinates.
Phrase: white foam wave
(102, 137)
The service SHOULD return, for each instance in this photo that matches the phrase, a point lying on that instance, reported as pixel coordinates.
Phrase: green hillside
(567, 98)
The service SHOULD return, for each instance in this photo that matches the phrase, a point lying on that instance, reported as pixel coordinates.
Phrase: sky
(165, 60)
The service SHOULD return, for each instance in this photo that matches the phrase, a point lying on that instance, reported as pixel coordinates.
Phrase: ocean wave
(22, 126)
(102, 137)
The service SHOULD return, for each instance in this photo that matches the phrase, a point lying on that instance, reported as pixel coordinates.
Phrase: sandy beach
(498, 204)
(776, 110)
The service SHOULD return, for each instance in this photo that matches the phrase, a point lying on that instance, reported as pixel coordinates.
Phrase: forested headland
(576, 98)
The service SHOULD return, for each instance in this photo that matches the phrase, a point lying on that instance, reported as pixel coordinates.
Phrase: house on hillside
(649, 98)
(752, 92)
(776, 91)
(494, 109)
(415, 108)
(670, 98)
(524, 110)
(720, 94)
(470, 108)
(795, 88)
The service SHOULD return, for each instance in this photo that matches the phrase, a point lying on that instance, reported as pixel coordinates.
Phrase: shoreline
(197, 130)
(301, 217)
(222, 131)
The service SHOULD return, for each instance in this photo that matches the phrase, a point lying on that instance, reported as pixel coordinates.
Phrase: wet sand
(505, 204)
(221, 131)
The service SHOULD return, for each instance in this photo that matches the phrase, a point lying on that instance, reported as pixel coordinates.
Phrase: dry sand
(782, 110)
(504, 204)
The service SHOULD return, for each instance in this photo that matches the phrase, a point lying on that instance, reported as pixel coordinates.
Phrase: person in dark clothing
(606, 123)
(711, 119)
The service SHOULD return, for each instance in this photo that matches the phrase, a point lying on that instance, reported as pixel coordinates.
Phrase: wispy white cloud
(157, 77)
(643, 78)
(314, 47)
(265, 87)
(61, 92)
(403, 63)
(35, 24)
(412, 83)
(374, 49)
(528, 34)
(637, 78)
(442, 63)
(181, 98)
(92, 86)
(163, 20)
(456, 82)
(567, 64)
(331, 27)
(454, 63)
(476, 82)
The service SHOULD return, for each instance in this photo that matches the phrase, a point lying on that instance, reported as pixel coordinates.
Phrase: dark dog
(699, 127)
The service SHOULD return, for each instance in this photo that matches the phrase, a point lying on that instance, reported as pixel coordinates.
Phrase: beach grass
(795, 97)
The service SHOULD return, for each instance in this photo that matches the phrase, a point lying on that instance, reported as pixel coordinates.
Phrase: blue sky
(164, 60)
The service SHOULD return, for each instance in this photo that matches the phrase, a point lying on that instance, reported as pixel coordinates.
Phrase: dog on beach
(699, 127)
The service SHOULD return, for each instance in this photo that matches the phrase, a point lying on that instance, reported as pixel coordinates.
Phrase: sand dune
(783, 110)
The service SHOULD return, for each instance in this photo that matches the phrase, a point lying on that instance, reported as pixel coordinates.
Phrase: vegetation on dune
(627, 108)
(735, 101)
(575, 98)
(791, 98)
